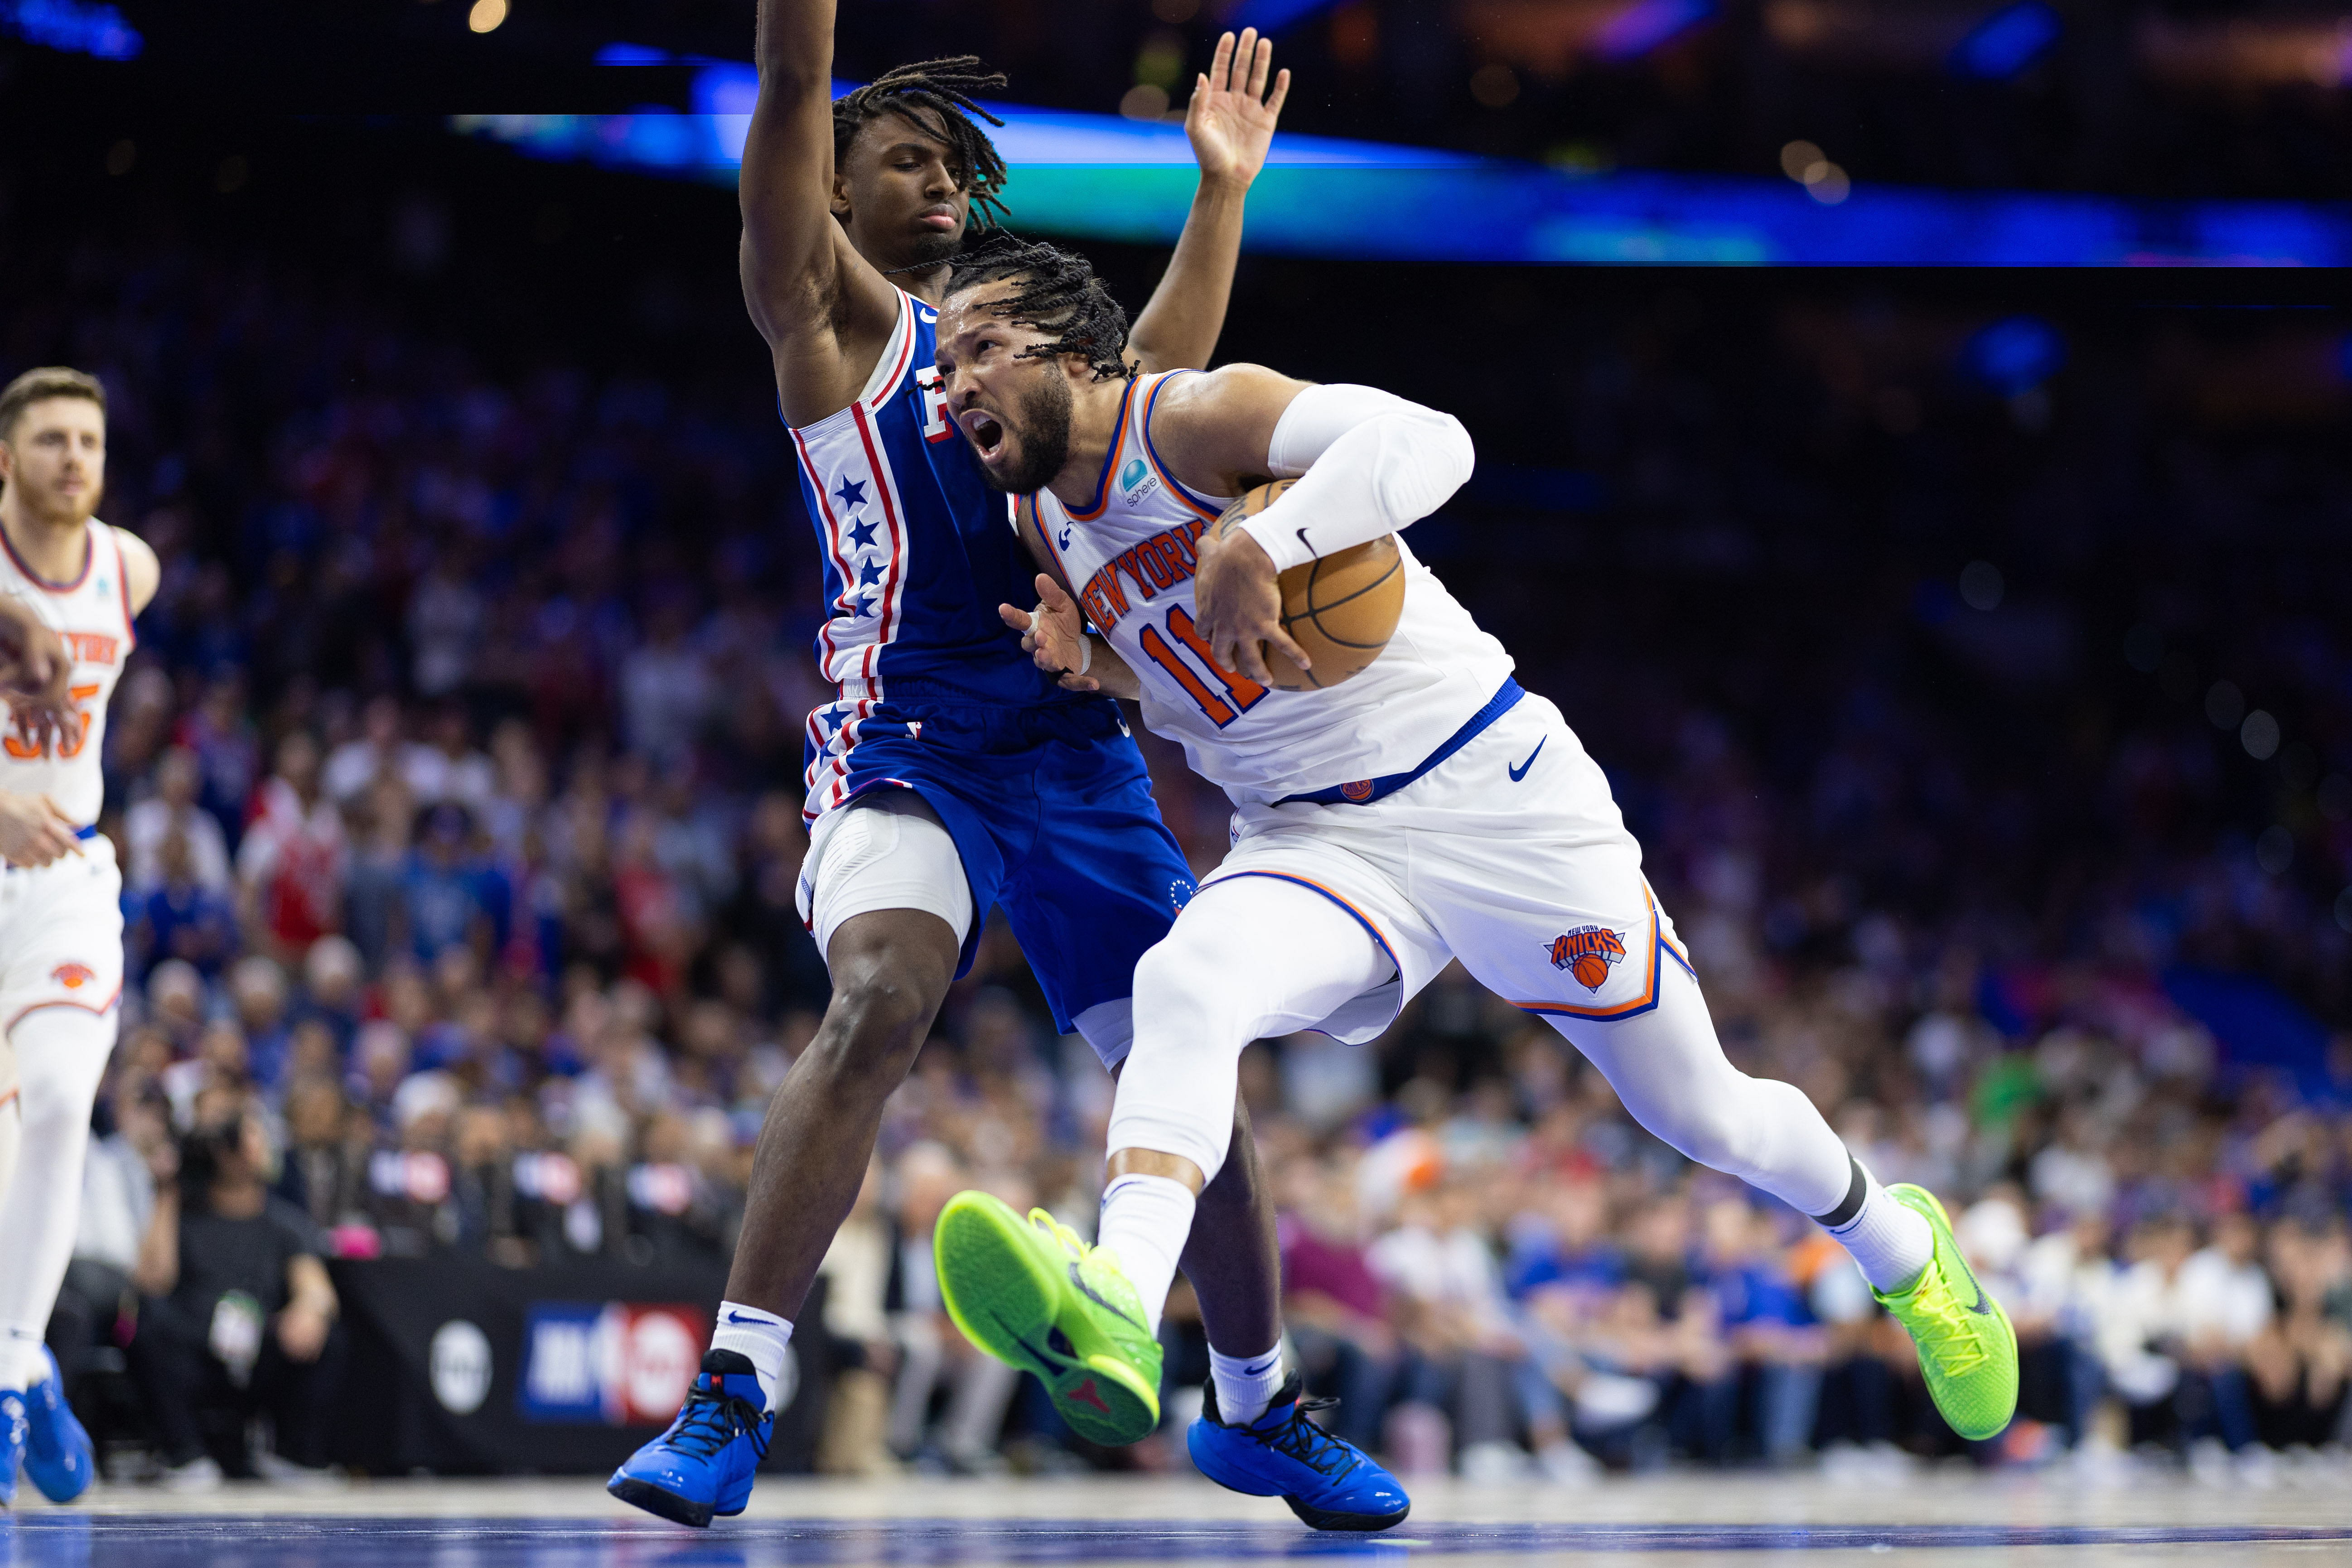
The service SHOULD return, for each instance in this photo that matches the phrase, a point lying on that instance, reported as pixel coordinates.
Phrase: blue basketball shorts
(1051, 817)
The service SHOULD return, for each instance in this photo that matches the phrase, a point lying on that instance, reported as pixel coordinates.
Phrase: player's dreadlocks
(1059, 292)
(936, 98)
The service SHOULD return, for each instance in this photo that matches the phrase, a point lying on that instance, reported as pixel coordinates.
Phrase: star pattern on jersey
(861, 533)
(852, 493)
(869, 573)
(829, 719)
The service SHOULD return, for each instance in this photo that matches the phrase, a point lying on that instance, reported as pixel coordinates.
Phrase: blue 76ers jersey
(917, 553)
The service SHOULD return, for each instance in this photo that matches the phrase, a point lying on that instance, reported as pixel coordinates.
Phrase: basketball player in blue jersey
(949, 773)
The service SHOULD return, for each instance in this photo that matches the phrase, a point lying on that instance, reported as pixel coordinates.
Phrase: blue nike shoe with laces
(702, 1467)
(57, 1455)
(1328, 1482)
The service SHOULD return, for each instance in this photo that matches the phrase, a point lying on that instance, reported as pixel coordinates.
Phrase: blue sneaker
(1329, 1483)
(58, 1454)
(703, 1465)
(12, 1441)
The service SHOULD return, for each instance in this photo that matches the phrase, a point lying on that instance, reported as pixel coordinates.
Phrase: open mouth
(986, 433)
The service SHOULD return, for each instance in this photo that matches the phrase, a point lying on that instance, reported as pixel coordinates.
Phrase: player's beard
(58, 511)
(1043, 431)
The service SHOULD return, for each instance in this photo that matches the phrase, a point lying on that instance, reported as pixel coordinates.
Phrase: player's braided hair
(1059, 292)
(936, 98)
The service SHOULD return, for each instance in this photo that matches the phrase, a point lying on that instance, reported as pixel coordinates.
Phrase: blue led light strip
(1100, 176)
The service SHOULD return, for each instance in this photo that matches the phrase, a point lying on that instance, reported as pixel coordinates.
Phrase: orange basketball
(1340, 608)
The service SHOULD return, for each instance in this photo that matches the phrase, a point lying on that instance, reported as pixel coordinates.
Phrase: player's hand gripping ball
(1340, 610)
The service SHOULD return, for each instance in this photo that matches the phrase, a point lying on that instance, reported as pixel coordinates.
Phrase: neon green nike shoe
(1967, 1347)
(1030, 1293)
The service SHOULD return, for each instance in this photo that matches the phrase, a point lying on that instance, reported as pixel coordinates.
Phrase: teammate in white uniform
(1426, 811)
(61, 894)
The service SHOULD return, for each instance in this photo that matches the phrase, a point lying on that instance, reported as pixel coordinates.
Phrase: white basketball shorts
(61, 934)
(1511, 855)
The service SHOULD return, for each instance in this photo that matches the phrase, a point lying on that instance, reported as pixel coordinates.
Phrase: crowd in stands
(456, 787)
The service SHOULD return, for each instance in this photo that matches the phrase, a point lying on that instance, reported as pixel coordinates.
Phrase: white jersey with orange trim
(1128, 556)
(1452, 815)
(91, 615)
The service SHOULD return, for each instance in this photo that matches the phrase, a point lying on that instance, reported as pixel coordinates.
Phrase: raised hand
(1230, 118)
(1054, 635)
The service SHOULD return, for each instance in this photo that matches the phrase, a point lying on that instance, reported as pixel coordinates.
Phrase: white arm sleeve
(1366, 462)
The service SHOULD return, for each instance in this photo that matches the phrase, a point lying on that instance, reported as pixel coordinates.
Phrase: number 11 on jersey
(1241, 693)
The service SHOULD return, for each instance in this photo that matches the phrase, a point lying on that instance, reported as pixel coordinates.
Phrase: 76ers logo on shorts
(1587, 952)
(73, 976)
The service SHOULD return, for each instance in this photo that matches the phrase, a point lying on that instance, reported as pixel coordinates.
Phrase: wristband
(1085, 654)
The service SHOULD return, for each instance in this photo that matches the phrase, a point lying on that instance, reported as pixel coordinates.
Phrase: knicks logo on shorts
(1587, 952)
(73, 976)
(1359, 790)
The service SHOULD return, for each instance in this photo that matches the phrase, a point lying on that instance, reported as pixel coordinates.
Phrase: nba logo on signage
(618, 1363)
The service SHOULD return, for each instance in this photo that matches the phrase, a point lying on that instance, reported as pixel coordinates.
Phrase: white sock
(1890, 1243)
(760, 1336)
(21, 1362)
(1246, 1384)
(1145, 1220)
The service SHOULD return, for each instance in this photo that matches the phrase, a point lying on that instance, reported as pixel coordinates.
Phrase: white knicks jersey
(92, 615)
(1130, 558)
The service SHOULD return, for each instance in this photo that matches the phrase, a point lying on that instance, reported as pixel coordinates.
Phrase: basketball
(1340, 608)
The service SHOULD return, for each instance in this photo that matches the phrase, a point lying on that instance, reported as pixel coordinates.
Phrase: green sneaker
(1967, 1347)
(1030, 1293)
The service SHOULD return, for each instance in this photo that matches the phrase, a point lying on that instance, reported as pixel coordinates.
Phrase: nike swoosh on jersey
(1521, 771)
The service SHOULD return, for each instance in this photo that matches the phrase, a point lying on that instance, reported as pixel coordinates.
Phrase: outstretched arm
(815, 300)
(1230, 123)
(1054, 636)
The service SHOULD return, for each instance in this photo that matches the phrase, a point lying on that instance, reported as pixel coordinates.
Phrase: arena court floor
(1696, 1521)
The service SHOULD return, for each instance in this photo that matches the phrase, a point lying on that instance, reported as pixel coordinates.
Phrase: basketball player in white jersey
(61, 894)
(1426, 811)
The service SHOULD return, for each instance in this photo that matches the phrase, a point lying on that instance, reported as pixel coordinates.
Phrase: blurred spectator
(1332, 1303)
(355, 766)
(932, 1353)
(237, 1316)
(173, 808)
(450, 895)
(1460, 1353)
(858, 1271)
(177, 916)
(291, 863)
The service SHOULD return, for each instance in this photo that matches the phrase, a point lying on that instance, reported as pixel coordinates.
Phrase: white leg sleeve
(60, 1056)
(1668, 1067)
(12, 1117)
(1250, 957)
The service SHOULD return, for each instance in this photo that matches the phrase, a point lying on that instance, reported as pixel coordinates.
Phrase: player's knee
(1175, 1007)
(1721, 1132)
(875, 1026)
